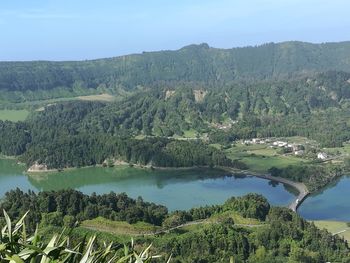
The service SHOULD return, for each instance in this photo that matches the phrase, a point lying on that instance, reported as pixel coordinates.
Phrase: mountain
(194, 63)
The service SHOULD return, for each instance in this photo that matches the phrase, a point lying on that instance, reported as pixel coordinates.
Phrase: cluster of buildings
(296, 149)
(256, 141)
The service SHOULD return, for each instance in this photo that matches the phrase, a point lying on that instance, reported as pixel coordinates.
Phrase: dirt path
(342, 231)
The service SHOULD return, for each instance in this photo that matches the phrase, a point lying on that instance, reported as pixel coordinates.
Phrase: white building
(282, 144)
(322, 156)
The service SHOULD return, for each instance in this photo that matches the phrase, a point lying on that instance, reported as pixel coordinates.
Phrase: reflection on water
(85, 177)
(177, 189)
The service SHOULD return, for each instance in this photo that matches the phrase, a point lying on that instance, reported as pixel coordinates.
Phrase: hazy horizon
(83, 30)
(146, 51)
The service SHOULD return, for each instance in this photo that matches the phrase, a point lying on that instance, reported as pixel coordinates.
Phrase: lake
(332, 203)
(176, 189)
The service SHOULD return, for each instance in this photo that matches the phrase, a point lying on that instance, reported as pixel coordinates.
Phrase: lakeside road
(300, 187)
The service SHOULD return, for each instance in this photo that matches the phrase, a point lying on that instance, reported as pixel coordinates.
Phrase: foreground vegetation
(17, 246)
(244, 229)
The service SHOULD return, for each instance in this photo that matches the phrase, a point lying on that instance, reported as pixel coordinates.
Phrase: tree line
(282, 237)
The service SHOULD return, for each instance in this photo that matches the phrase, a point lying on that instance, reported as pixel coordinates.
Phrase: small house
(322, 156)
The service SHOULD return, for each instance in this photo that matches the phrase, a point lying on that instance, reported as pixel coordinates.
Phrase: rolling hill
(201, 64)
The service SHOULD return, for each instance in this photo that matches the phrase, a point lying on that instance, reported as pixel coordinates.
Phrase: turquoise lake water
(174, 189)
(179, 189)
(332, 203)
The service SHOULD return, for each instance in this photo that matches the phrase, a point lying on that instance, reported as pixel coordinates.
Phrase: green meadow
(13, 115)
(335, 227)
(260, 158)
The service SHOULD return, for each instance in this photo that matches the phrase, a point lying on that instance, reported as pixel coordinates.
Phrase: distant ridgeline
(199, 65)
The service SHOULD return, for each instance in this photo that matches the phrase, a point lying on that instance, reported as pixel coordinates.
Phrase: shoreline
(300, 187)
(125, 165)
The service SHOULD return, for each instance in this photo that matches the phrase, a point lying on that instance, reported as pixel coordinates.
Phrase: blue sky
(86, 29)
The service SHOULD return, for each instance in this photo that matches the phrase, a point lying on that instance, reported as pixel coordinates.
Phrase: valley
(214, 147)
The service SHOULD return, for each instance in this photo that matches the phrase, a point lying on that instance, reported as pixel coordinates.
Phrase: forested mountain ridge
(194, 63)
(75, 133)
(271, 108)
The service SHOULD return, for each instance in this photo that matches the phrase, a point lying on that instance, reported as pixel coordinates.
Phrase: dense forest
(75, 134)
(199, 64)
(314, 176)
(282, 235)
(59, 138)
(314, 107)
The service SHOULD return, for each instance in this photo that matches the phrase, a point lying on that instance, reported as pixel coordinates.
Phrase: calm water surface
(332, 203)
(179, 189)
(174, 189)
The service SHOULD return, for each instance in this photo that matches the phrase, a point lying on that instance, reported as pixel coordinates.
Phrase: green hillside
(199, 64)
(243, 229)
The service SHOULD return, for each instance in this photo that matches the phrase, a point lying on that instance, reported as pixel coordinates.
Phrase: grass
(300, 140)
(342, 150)
(100, 97)
(118, 227)
(237, 218)
(13, 115)
(190, 133)
(40, 104)
(260, 163)
(260, 157)
(124, 229)
(334, 227)
(216, 146)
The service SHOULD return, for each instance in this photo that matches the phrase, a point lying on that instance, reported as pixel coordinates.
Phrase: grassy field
(335, 227)
(261, 157)
(100, 97)
(237, 218)
(340, 150)
(118, 227)
(127, 230)
(13, 115)
(40, 104)
(190, 134)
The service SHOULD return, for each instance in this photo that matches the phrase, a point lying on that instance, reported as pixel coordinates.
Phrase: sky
(88, 29)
